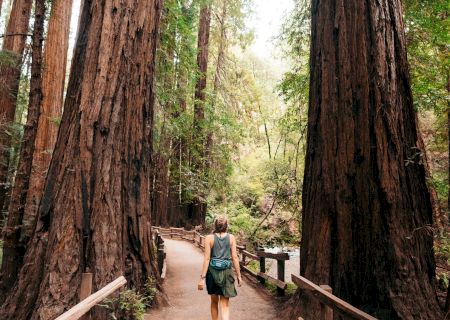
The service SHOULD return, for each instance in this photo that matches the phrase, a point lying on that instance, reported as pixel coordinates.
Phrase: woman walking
(220, 255)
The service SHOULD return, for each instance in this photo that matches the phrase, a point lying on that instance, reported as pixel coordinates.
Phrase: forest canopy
(168, 113)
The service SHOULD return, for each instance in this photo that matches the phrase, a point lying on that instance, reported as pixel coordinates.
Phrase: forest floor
(184, 262)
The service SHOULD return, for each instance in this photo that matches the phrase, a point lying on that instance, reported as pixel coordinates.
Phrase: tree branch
(15, 34)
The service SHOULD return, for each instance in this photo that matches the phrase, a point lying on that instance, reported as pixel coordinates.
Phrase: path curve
(187, 303)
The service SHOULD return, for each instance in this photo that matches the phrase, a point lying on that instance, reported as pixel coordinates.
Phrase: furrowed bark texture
(161, 187)
(199, 205)
(448, 165)
(53, 80)
(9, 84)
(95, 210)
(367, 208)
(14, 245)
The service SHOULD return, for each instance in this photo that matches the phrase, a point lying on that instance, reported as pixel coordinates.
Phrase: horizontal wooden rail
(331, 300)
(323, 293)
(276, 256)
(199, 240)
(280, 284)
(84, 306)
(250, 255)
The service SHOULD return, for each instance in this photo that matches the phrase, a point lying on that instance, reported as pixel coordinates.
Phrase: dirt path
(187, 303)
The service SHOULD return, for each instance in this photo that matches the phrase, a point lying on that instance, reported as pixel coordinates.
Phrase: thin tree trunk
(1, 5)
(14, 245)
(199, 205)
(447, 300)
(53, 81)
(9, 85)
(95, 210)
(367, 211)
(448, 165)
(216, 87)
(200, 94)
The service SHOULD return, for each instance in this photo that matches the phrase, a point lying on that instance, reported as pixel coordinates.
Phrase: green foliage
(150, 291)
(253, 265)
(8, 58)
(428, 36)
(442, 252)
(427, 26)
(130, 304)
(439, 182)
(291, 288)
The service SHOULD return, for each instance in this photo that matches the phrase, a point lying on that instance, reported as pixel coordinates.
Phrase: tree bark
(53, 81)
(198, 204)
(14, 245)
(447, 300)
(9, 84)
(217, 79)
(448, 165)
(367, 209)
(95, 210)
(200, 94)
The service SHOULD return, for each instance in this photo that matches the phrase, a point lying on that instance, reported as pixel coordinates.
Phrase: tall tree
(13, 45)
(367, 209)
(53, 81)
(95, 210)
(199, 204)
(14, 246)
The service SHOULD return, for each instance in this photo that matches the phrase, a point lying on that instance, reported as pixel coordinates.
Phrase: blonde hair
(220, 223)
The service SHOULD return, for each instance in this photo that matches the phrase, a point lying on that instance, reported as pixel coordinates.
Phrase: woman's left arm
(235, 258)
(206, 258)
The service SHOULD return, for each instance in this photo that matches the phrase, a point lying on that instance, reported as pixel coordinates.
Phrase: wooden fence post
(262, 266)
(85, 290)
(327, 312)
(280, 271)
(160, 257)
(84, 306)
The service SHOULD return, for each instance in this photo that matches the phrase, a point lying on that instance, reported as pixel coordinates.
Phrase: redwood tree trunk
(367, 209)
(14, 245)
(14, 43)
(95, 210)
(199, 205)
(53, 80)
(448, 165)
(447, 300)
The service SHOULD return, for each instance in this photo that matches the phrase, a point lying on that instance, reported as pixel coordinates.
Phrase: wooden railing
(158, 242)
(330, 302)
(88, 300)
(244, 256)
(87, 303)
(323, 293)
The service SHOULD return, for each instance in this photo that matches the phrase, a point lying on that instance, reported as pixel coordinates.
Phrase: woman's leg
(225, 307)
(214, 307)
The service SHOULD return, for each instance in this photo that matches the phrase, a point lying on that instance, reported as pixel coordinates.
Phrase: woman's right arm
(206, 258)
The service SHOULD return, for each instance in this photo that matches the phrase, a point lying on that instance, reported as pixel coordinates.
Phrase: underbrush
(442, 252)
(130, 304)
